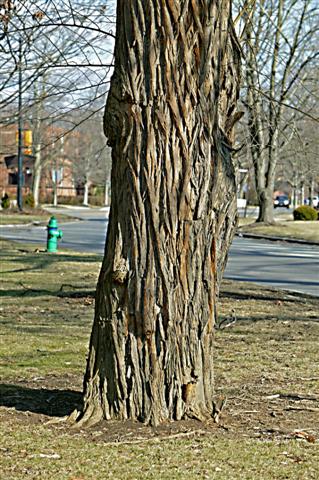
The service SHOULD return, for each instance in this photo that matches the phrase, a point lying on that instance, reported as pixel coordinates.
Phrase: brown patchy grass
(266, 365)
(284, 228)
(35, 216)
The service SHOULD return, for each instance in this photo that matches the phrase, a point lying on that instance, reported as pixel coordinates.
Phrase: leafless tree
(66, 51)
(91, 165)
(279, 38)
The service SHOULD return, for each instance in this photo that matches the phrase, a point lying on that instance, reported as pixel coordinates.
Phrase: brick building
(57, 164)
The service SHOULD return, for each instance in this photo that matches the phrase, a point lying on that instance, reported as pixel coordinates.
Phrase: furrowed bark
(169, 120)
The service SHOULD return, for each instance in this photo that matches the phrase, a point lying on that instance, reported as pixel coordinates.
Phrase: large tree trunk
(169, 120)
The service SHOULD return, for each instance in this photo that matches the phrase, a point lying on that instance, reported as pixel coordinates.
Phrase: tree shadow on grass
(30, 292)
(43, 260)
(53, 403)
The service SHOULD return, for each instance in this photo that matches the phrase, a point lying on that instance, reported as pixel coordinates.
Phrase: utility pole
(20, 132)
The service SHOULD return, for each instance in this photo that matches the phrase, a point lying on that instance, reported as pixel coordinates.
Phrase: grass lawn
(35, 216)
(288, 229)
(266, 364)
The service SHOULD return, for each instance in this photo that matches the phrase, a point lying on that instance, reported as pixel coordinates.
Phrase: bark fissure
(173, 211)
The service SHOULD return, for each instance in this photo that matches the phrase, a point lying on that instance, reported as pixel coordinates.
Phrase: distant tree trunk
(302, 193)
(55, 187)
(266, 206)
(37, 175)
(106, 193)
(311, 192)
(86, 192)
(37, 130)
(294, 189)
(169, 119)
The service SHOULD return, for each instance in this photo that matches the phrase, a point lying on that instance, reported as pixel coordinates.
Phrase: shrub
(78, 200)
(29, 200)
(5, 201)
(97, 191)
(306, 213)
(96, 200)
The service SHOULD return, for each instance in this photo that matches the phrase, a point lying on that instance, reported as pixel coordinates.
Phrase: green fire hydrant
(53, 235)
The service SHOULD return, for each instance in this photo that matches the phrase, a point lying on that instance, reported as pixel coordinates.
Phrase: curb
(68, 207)
(22, 225)
(75, 207)
(276, 239)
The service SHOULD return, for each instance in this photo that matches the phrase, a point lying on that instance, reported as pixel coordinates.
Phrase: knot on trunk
(189, 392)
(120, 271)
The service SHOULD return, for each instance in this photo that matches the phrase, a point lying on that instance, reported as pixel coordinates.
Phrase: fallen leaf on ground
(304, 435)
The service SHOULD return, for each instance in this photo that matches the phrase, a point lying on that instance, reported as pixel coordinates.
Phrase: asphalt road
(276, 264)
(289, 266)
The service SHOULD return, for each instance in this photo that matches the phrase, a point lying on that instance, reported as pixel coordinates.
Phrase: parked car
(315, 201)
(282, 201)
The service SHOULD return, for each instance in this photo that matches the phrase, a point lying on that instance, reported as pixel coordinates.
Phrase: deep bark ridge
(169, 119)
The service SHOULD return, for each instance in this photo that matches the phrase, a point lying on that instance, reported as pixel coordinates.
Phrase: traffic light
(27, 134)
(26, 141)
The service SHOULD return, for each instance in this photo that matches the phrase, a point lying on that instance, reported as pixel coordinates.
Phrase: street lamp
(20, 131)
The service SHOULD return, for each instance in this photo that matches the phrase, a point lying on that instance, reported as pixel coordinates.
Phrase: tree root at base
(90, 417)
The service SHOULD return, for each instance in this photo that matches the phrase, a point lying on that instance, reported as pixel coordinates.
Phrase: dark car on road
(282, 201)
